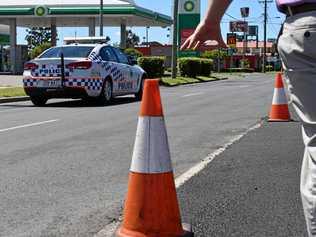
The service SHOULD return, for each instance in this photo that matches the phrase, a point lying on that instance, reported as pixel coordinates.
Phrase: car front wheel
(107, 93)
(38, 100)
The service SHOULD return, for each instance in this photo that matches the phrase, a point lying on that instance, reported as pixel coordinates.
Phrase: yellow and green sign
(40, 11)
(189, 18)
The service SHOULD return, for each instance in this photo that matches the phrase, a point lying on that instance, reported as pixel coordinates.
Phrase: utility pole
(265, 33)
(175, 39)
(245, 13)
(101, 18)
(244, 46)
(265, 36)
(147, 37)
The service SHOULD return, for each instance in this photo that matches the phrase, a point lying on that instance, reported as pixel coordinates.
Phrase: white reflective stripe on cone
(279, 97)
(151, 150)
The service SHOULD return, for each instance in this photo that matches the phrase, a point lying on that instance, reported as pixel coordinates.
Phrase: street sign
(188, 53)
(231, 51)
(238, 26)
(232, 40)
(244, 12)
(253, 30)
(240, 38)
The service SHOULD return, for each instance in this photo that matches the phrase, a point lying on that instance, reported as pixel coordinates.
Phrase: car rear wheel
(107, 93)
(139, 94)
(39, 100)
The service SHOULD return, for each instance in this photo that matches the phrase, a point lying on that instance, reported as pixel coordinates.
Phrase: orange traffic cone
(151, 207)
(280, 110)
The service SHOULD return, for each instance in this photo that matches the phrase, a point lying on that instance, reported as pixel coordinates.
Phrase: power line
(273, 26)
(232, 16)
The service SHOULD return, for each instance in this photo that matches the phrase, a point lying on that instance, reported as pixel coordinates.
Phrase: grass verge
(12, 92)
(168, 81)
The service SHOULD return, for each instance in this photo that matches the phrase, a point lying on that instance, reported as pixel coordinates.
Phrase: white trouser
(297, 47)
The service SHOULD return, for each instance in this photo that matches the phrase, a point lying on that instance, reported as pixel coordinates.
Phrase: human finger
(185, 44)
(193, 42)
(197, 45)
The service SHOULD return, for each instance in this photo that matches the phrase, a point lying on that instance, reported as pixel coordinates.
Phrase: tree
(37, 36)
(133, 52)
(131, 39)
(36, 51)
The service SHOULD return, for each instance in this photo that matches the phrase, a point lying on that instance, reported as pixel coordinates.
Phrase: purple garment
(283, 3)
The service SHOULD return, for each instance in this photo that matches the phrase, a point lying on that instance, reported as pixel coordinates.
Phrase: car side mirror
(132, 60)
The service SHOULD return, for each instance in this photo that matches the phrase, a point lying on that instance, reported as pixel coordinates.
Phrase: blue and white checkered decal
(89, 84)
(110, 69)
(29, 82)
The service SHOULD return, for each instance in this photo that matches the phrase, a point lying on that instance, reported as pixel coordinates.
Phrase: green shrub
(192, 67)
(214, 54)
(153, 66)
(39, 50)
(206, 67)
(133, 52)
(189, 67)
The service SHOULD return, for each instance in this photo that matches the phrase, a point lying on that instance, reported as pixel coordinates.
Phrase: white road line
(28, 125)
(182, 179)
(193, 94)
(109, 229)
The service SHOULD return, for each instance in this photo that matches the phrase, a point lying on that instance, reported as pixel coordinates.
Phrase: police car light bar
(85, 40)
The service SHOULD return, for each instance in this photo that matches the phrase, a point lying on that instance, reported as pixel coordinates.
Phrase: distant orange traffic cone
(151, 207)
(280, 110)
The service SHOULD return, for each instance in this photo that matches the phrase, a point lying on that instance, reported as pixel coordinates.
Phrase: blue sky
(164, 6)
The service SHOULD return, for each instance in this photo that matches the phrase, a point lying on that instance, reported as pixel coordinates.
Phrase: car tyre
(106, 95)
(139, 94)
(39, 100)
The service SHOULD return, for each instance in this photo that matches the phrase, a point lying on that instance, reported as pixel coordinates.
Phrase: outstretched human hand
(206, 35)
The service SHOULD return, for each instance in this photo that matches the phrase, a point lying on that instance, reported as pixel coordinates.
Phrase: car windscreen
(69, 52)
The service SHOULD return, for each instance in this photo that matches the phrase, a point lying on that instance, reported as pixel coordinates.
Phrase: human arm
(209, 28)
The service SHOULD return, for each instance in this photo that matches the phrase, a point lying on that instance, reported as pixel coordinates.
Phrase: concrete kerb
(161, 83)
(14, 99)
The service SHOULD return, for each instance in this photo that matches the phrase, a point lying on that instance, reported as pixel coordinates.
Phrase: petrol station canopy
(72, 13)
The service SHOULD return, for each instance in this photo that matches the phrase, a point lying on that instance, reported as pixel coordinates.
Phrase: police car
(86, 71)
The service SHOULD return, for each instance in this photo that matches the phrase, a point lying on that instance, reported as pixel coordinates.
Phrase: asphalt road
(250, 190)
(64, 168)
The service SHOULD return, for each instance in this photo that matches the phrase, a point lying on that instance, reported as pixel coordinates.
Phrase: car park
(96, 72)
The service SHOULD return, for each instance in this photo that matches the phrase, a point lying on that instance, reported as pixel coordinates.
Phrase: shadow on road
(76, 103)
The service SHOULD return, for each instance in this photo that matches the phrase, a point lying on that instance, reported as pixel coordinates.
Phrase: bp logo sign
(189, 6)
(40, 11)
